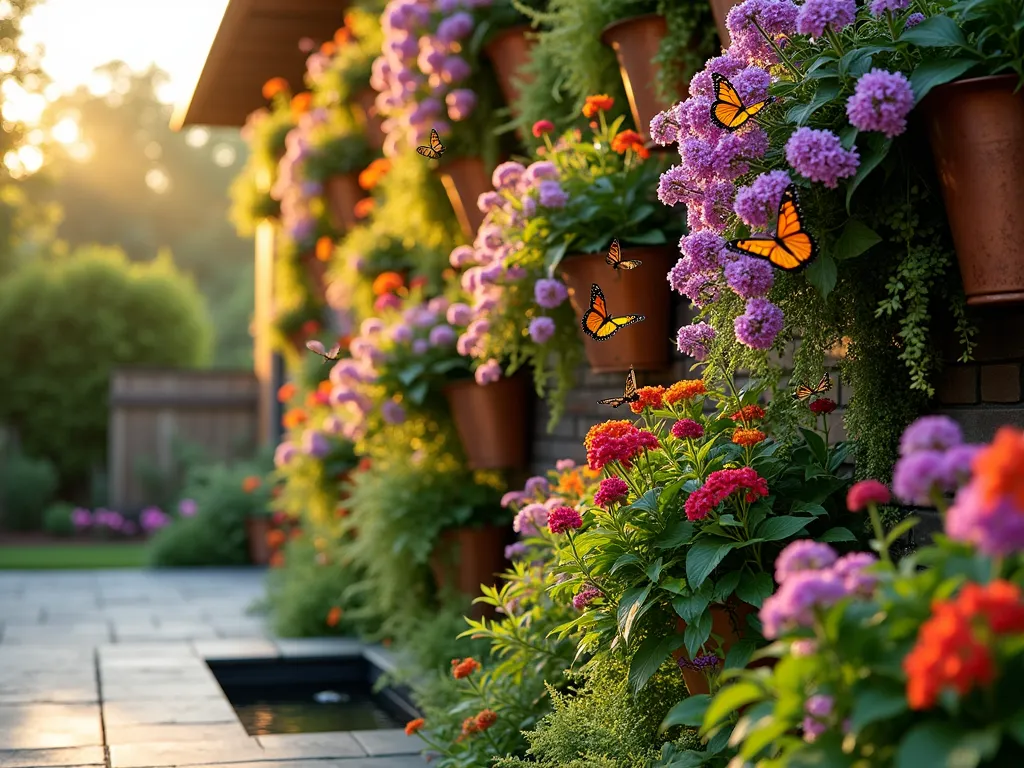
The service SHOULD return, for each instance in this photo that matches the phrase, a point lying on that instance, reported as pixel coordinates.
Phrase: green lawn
(51, 556)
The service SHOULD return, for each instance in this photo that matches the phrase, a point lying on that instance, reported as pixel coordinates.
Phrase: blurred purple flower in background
(187, 507)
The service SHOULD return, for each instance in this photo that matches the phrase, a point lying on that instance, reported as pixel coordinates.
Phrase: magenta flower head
(803, 555)
(693, 340)
(749, 278)
(815, 15)
(881, 102)
(687, 428)
(488, 372)
(820, 156)
(918, 475)
(864, 493)
(549, 293)
(613, 490)
(187, 507)
(563, 519)
(930, 433)
(797, 599)
(542, 329)
(585, 597)
(81, 518)
(759, 325)
(507, 175)
(564, 465)
(995, 527)
(817, 711)
(758, 203)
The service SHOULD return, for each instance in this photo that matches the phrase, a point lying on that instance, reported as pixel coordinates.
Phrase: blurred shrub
(67, 324)
(215, 534)
(57, 519)
(27, 486)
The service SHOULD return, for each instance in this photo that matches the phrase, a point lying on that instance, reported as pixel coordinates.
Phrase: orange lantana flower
(650, 397)
(333, 616)
(251, 483)
(301, 103)
(277, 560)
(364, 207)
(600, 102)
(413, 726)
(324, 249)
(329, 48)
(687, 389)
(286, 392)
(387, 282)
(627, 140)
(571, 484)
(611, 429)
(999, 468)
(276, 538)
(486, 719)
(370, 176)
(341, 36)
(747, 437)
(293, 418)
(748, 413)
(464, 667)
(310, 328)
(274, 86)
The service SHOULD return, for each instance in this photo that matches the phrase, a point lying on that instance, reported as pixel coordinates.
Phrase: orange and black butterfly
(629, 394)
(327, 354)
(614, 258)
(436, 148)
(597, 323)
(804, 391)
(791, 248)
(728, 110)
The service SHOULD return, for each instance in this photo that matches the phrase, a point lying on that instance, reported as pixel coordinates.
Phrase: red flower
(617, 441)
(486, 719)
(747, 437)
(601, 102)
(748, 413)
(542, 127)
(721, 485)
(650, 397)
(866, 492)
(464, 667)
(687, 428)
(630, 140)
(413, 726)
(823, 405)
(563, 519)
(324, 249)
(333, 616)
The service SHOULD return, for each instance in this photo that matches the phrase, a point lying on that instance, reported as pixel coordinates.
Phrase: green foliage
(215, 535)
(57, 519)
(27, 486)
(335, 152)
(69, 324)
(348, 72)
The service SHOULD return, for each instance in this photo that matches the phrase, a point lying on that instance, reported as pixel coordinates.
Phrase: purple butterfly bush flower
(701, 289)
(817, 15)
(517, 551)
(512, 497)
(704, 249)
(461, 103)
(462, 256)
(81, 518)
(371, 326)
(803, 555)
(551, 194)
(284, 453)
(819, 155)
(918, 475)
(758, 326)
(994, 526)
(315, 444)
(817, 711)
(488, 372)
(536, 486)
(530, 519)
(333, 425)
(442, 336)
(187, 507)
(542, 329)
(913, 20)
(674, 185)
(758, 203)
(879, 7)
(489, 201)
(714, 209)
(549, 293)
(776, 17)
(392, 412)
(751, 83)
(564, 465)
(693, 340)
(455, 69)
(851, 569)
(797, 599)
(538, 171)
(420, 346)
(681, 273)
(455, 27)
(881, 101)
(930, 433)
(727, 66)
(749, 278)
(507, 175)
(665, 127)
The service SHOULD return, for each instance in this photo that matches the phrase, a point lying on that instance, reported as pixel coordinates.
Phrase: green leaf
(938, 744)
(646, 503)
(932, 73)
(649, 656)
(877, 702)
(690, 711)
(837, 534)
(817, 445)
(1015, 727)
(822, 274)
(729, 699)
(857, 237)
(650, 237)
(627, 559)
(630, 608)
(654, 570)
(877, 147)
(697, 633)
(901, 528)
(689, 607)
(858, 61)
(674, 585)
(936, 32)
(754, 588)
(411, 372)
(725, 586)
(704, 556)
(417, 393)
(739, 654)
(680, 532)
(782, 527)
(825, 92)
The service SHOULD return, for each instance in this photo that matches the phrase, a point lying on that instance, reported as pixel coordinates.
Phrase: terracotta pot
(465, 558)
(636, 42)
(509, 51)
(256, 530)
(317, 271)
(372, 124)
(465, 179)
(976, 128)
(728, 621)
(343, 192)
(720, 9)
(492, 421)
(645, 346)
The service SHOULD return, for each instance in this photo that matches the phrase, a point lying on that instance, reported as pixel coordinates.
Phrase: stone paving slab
(175, 753)
(46, 726)
(388, 741)
(289, 746)
(143, 734)
(44, 758)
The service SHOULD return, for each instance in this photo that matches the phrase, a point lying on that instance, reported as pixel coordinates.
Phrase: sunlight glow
(66, 131)
(224, 155)
(197, 137)
(157, 180)
(24, 161)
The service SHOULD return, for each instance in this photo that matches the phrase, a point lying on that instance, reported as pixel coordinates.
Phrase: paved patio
(108, 668)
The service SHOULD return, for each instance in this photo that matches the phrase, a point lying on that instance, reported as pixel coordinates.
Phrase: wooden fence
(154, 411)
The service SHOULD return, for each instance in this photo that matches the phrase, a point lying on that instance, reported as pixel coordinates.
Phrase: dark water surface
(290, 708)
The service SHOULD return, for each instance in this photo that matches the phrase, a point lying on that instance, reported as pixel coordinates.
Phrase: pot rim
(975, 82)
(628, 20)
(470, 381)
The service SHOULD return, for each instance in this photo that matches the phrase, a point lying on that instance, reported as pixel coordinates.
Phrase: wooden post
(263, 355)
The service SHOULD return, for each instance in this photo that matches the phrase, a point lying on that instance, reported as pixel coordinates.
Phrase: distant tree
(125, 179)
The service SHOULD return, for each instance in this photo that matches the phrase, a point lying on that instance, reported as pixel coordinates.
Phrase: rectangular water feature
(311, 695)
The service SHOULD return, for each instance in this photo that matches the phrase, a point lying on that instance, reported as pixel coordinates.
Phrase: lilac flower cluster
(816, 16)
(291, 188)
(107, 521)
(420, 73)
(758, 326)
(933, 460)
(532, 506)
(881, 101)
(812, 577)
(820, 156)
(750, 21)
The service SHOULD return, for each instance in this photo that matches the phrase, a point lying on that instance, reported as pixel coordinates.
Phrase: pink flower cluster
(721, 485)
(933, 460)
(564, 519)
(291, 188)
(613, 490)
(604, 448)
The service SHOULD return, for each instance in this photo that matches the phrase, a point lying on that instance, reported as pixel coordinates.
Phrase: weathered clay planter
(720, 10)
(465, 179)
(317, 271)
(492, 421)
(976, 127)
(644, 346)
(728, 621)
(636, 42)
(465, 558)
(342, 192)
(372, 123)
(256, 530)
(509, 51)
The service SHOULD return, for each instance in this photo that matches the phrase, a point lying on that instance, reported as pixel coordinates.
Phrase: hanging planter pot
(492, 421)
(636, 42)
(464, 558)
(256, 529)
(976, 128)
(316, 270)
(509, 51)
(728, 622)
(465, 179)
(643, 291)
(720, 10)
(372, 123)
(342, 192)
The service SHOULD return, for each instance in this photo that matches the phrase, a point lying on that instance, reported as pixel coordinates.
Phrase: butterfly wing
(614, 257)
(761, 246)
(595, 317)
(630, 390)
(428, 152)
(435, 143)
(798, 248)
(824, 385)
(613, 325)
(753, 109)
(630, 264)
(614, 402)
(727, 111)
(803, 392)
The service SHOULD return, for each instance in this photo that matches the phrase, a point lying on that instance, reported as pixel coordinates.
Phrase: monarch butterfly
(629, 394)
(614, 258)
(804, 391)
(791, 248)
(326, 354)
(728, 110)
(436, 148)
(596, 321)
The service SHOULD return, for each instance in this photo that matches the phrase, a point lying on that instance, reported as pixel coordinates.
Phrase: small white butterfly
(326, 354)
